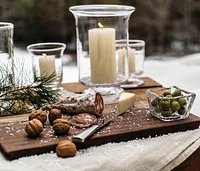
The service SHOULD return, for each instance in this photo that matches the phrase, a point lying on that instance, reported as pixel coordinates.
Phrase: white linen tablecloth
(147, 154)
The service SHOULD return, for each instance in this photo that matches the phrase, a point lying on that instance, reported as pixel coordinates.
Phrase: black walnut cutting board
(135, 123)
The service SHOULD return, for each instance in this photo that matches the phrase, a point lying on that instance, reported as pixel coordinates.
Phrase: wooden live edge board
(135, 123)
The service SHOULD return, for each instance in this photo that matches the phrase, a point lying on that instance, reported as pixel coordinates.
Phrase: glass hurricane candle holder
(98, 27)
(47, 60)
(6, 52)
(136, 56)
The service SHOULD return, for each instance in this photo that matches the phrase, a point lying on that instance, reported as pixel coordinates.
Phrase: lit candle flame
(44, 54)
(100, 25)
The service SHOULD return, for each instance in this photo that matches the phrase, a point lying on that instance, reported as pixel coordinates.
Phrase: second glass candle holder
(136, 56)
(98, 27)
(47, 60)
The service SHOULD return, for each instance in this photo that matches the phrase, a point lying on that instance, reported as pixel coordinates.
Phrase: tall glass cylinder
(6, 53)
(98, 27)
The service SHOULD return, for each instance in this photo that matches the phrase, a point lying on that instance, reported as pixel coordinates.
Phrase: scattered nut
(54, 114)
(38, 114)
(46, 107)
(61, 126)
(34, 127)
(66, 149)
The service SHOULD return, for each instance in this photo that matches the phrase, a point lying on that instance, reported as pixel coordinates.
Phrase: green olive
(166, 99)
(165, 104)
(175, 105)
(170, 97)
(167, 92)
(154, 102)
(182, 110)
(166, 113)
(157, 110)
(182, 101)
(161, 96)
(176, 93)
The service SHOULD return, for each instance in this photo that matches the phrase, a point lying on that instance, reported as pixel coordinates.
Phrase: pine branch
(22, 98)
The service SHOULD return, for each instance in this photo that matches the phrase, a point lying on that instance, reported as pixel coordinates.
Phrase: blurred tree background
(167, 26)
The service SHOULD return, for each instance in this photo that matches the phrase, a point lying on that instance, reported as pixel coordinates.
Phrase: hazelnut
(54, 114)
(34, 127)
(38, 114)
(61, 126)
(65, 149)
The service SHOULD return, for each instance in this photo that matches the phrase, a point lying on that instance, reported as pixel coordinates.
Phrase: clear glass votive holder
(136, 57)
(7, 53)
(98, 27)
(47, 60)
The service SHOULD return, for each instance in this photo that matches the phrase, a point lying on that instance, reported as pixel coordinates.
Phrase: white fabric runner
(153, 154)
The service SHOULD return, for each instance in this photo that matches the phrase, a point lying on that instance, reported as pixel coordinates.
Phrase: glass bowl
(170, 104)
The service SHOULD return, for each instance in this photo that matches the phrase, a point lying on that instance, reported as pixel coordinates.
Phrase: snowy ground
(183, 72)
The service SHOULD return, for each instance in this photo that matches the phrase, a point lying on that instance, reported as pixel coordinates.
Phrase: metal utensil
(80, 138)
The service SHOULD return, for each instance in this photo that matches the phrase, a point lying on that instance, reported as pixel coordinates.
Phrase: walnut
(54, 114)
(65, 149)
(34, 127)
(61, 126)
(46, 107)
(38, 114)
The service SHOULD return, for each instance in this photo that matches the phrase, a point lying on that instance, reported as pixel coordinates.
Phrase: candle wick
(100, 25)
(44, 55)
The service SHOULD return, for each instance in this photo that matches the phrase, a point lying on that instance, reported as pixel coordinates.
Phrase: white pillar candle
(121, 58)
(131, 60)
(47, 65)
(102, 55)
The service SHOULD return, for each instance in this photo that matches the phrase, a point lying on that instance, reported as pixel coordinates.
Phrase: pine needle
(21, 99)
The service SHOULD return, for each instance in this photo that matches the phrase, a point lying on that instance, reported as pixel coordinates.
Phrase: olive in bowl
(169, 104)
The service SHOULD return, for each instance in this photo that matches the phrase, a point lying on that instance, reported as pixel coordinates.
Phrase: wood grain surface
(135, 123)
(78, 87)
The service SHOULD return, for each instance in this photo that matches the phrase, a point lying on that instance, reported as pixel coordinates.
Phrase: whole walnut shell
(61, 126)
(46, 107)
(54, 114)
(66, 149)
(38, 114)
(34, 127)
